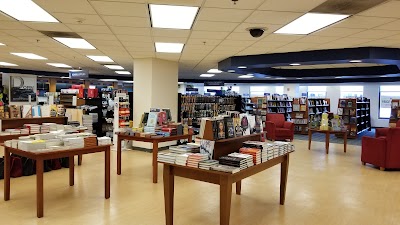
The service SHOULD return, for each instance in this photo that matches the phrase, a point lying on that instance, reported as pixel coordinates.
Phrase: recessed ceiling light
(129, 81)
(64, 77)
(79, 43)
(2, 44)
(295, 64)
(384, 76)
(7, 64)
(280, 78)
(355, 61)
(246, 76)
(231, 71)
(123, 72)
(114, 67)
(169, 47)
(310, 22)
(100, 58)
(214, 71)
(60, 65)
(109, 80)
(299, 78)
(338, 77)
(207, 75)
(29, 56)
(26, 10)
(172, 17)
(242, 67)
(267, 77)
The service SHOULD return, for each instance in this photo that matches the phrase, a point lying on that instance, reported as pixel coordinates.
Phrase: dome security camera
(256, 32)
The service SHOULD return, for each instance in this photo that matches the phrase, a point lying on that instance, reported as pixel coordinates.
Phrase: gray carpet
(321, 138)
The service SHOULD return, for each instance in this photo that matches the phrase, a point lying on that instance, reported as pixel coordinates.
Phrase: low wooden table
(224, 180)
(41, 156)
(327, 137)
(155, 142)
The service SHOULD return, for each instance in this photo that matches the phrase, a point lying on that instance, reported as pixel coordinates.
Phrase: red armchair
(279, 129)
(382, 132)
(382, 151)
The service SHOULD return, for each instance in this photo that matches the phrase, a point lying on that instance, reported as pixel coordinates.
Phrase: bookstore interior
(212, 92)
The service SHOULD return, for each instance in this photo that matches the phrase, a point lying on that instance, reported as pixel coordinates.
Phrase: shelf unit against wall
(260, 105)
(300, 115)
(317, 106)
(395, 112)
(248, 105)
(356, 114)
(279, 104)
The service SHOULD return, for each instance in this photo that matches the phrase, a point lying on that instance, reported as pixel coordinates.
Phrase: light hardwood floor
(324, 189)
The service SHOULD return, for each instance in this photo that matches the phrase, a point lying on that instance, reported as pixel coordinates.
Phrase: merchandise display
(394, 113)
(356, 114)
(281, 104)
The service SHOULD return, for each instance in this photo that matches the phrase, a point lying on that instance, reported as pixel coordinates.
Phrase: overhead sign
(386, 102)
(214, 83)
(192, 89)
(78, 74)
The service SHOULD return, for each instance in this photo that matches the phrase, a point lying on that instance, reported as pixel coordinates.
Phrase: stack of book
(24, 131)
(74, 142)
(246, 157)
(267, 152)
(207, 164)
(90, 142)
(104, 141)
(241, 163)
(225, 168)
(171, 131)
(181, 149)
(87, 121)
(166, 157)
(34, 128)
(256, 153)
(181, 159)
(44, 128)
(194, 159)
(13, 131)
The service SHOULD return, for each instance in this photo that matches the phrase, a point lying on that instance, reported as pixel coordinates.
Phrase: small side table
(327, 137)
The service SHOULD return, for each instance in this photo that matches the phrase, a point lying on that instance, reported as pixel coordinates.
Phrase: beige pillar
(52, 84)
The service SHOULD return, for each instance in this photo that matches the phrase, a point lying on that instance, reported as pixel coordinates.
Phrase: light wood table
(155, 142)
(224, 180)
(41, 156)
(327, 137)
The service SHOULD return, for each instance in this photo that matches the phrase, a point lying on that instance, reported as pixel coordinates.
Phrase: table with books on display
(40, 148)
(327, 133)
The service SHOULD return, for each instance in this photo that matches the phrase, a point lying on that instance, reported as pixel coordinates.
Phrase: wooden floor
(322, 189)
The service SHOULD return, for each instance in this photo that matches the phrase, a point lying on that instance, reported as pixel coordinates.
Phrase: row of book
(318, 102)
(279, 110)
(279, 104)
(29, 111)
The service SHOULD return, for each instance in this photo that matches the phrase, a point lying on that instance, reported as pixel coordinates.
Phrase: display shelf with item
(306, 110)
(395, 112)
(281, 104)
(355, 113)
(260, 109)
(121, 112)
(248, 105)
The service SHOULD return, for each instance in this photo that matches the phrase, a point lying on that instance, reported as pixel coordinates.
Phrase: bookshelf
(281, 104)
(395, 112)
(306, 109)
(356, 114)
(260, 105)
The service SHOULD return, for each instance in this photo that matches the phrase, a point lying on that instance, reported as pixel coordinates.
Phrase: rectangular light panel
(29, 56)
(100, 58)
(2, 44)
(172, 17)
(26, 10)
(310, 22)
(59, 65)
(169, 47)
(207, 75)
(123, 72)
(214, 71)
(114, 67)
(79, 43)
(246, 76)
(7, 64)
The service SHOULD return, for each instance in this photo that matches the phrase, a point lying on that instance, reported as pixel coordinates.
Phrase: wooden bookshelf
(277, 104)
(356, 114)
(395, 112)
(260, 105)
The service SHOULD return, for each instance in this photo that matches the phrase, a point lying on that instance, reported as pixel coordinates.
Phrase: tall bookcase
(395, 112)
(356, 114)
(260, 107)
(279, 104)
(304, 110)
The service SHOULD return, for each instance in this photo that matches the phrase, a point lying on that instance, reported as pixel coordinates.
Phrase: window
(257, 91)
(351, 91)
(279, 90)
(316, 91)
(387, 93)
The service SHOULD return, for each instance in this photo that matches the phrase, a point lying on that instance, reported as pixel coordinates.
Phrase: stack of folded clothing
(194, 159)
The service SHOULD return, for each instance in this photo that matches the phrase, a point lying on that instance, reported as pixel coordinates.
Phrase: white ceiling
(121, 30)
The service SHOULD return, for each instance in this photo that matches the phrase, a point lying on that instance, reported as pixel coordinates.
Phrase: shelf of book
(281, 104)
(355, 113)
(260, 107)
(395, 112)
(305, 110)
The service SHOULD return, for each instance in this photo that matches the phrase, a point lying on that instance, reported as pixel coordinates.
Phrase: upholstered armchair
(382, 151)
(279, 129)
(382, 132)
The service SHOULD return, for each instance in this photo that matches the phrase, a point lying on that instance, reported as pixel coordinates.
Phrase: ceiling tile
(131, 38)
(13, 25)
(73, 6)
(375, 34)
(170, 32)
(381, 43)
(170, 39)
(388, 9)
(246, 4)
(80, 19)
(265, 45)
(59, 27)
(126, 21)
(214, 26)
(89, 36)
(168, 56)
(271, 17)
(288, 6)
(174, 2)
(204, 41)
(269, 28)
(121, 9)
(136, 54)
(337, 32)
(105, 43)
(209, 34)
(316, 39)
(24, 33)
(225, 15)
(131, 31)
(395, 25)
(90, 29)
(240, 43)
(281, 38)
(363, 22)
(253, 51)
(242, 36)
(146, 48)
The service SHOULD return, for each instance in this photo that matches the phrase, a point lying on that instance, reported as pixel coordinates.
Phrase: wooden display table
(327, 137)
(19, 122)
(41, 156)
(224, 180)
(155, 142)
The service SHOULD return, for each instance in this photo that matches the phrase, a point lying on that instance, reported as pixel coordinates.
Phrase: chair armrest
(374, 151)
(270, 128)
(288, 125)
(381, 132)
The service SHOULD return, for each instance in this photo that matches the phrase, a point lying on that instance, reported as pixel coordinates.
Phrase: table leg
(119, 142)
(107, 173)
(225, 196)
(327, 140)
(309, 139)
(345, 141)
(79, 160)
(239, 187)
(190, 139)
(284, 175)
(155, 164)
(7, 169)
(39, 187)
(71, 170)
(169, 194)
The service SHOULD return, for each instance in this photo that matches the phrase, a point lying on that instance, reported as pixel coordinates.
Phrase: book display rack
(307, 109)
(260, 108)
(355, 113)
(395, 112)
(281, 104)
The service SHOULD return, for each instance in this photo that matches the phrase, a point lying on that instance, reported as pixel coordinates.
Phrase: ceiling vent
(347, 7)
